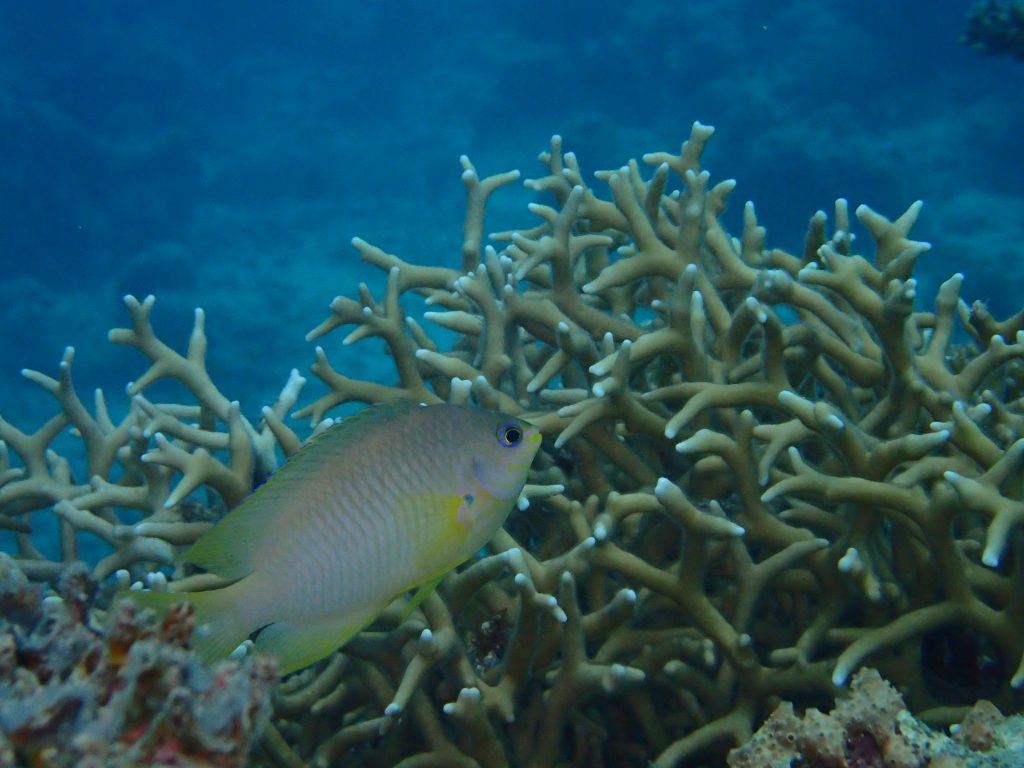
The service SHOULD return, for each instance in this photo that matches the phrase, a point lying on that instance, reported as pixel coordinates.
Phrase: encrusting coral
(761, 470)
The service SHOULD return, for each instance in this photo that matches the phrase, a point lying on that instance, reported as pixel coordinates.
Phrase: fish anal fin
(425, 590)
(297, 645)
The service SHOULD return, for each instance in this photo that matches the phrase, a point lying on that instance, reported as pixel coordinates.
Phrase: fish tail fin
(219, 628)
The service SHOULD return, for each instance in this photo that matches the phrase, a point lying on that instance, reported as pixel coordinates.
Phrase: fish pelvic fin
(426, 590)
(219, 629)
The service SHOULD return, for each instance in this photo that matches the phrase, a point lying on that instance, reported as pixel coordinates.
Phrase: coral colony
(763, 472)
(996, 28)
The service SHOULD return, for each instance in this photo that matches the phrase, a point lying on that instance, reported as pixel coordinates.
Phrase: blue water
(222, 155)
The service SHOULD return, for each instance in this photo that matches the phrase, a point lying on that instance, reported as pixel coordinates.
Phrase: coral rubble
(762, 469)
(124, 690)
(872, 728)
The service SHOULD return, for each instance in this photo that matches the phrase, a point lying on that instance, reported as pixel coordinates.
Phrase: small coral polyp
(762, 470)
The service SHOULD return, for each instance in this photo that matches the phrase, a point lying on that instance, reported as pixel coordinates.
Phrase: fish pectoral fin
(425, 590)
(297, 645)
(451, 514)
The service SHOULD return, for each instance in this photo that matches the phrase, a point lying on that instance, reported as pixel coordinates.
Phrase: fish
(386, 501)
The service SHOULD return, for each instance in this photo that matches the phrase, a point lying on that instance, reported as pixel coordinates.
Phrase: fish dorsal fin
(229, 547)
(358, 425)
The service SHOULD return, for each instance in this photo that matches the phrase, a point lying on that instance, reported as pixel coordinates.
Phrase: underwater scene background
(766, 463)
(224, 156)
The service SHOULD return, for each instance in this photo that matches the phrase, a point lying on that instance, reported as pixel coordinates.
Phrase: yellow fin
(227, 549)
(450, 513)
(298, 645)
(421, 594)
(355, 427)
(158, 602)
(218, 630)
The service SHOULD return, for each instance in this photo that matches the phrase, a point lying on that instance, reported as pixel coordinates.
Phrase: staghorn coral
(81, 689)
(762, 470)
(131, 465)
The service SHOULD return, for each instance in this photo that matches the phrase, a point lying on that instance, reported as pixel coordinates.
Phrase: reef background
(224, 158)
(225, 162)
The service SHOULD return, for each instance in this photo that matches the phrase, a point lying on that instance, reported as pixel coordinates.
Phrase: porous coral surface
(79, 689)
(871, 728)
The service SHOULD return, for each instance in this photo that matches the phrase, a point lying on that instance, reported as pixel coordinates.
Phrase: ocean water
(223, 155)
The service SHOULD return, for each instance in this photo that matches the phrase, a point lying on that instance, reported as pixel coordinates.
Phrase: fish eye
(510, 434)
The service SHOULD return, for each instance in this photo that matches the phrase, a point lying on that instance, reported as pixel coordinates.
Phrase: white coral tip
(840, 675)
